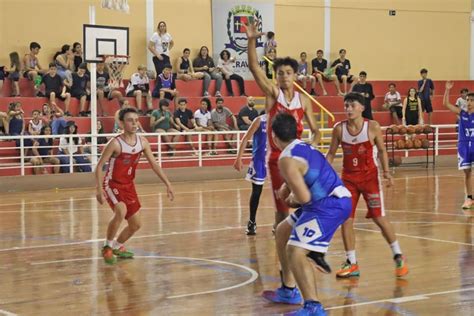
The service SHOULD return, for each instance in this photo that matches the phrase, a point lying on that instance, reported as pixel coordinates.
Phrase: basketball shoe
(467, 204)
(401, 268)
(123, 253)
(284, 295)
(251, 228)
(348, 270)
(108, 255)
(310, 308)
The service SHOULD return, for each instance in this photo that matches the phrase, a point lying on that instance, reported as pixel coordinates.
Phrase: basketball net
(118, 5)
(115, 65)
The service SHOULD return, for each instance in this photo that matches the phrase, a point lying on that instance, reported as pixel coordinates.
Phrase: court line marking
(419, 237)
(188, 192)
(418, 222)
(134, 237)
(7, 313)
(253, 273)
(405, 297)
(206, 231)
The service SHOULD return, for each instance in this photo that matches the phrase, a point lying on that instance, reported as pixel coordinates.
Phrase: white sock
(351, 256)
(117, 245)
(395, 248)
(109, 243)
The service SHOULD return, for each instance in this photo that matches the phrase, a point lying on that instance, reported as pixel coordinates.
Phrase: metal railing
(13, 156)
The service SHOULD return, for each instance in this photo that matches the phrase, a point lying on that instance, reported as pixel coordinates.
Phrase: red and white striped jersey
(295, 108)
(122, 168)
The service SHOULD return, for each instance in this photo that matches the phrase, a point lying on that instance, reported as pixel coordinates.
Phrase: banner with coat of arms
(228, 31)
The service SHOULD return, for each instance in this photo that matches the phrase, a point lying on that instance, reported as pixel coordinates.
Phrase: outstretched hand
(449, 85)
(251, 28)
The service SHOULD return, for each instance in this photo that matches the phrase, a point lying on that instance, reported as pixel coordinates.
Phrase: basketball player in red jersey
(362, 142)
(123, 154)
(281, 97)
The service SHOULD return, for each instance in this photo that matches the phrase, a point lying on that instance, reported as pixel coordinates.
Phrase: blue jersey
(259, 141)
(320, 178)
(465, 128)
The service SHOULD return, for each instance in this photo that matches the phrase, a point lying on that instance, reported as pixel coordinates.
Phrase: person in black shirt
(77, 51)
(105, 88)
(247, 114)
(269, 72)
(343, 67)
(322, 72)
(54, 88)
(78, 88)
(185, 68)
(205, 64)
(185, 122)
(365, 89)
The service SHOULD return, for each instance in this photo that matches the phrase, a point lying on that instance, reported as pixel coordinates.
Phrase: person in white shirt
(72, 146)
(226, 66)
(393, 102)
(461, 102)
(160, 45)
(138, 87)
(204, 121)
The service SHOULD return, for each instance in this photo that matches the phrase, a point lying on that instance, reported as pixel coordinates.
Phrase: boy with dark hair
(79, 88)
(465, 140)
(54, 88)
(365, 89)
(323, 204)
(165, 86)
(304, 74)
(33, 69)
(343, 67)
(361, 140)
(393, 102)
(426, 92)
(138, 87)
(117, 188)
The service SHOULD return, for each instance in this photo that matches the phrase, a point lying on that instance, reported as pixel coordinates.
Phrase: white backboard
(100, 40)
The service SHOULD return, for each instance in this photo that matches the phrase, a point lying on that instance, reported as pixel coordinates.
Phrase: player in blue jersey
(324, 204)
(257, 171)
(465, 140)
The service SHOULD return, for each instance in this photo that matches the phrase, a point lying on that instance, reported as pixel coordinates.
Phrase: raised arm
(447, 104)
(154, 166)
(266, 85)
(243, 143)
(335, 142)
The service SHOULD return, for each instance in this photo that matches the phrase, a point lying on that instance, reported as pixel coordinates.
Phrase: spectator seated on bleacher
(226, 66)
(104, 88)
(43, 153)
(139, 87)
(14, 73)
(322, 73)
(205, 64)
(77, 52)
(185, 122)
(247, 114)
(343, 68)
(165, 86)
(36, 123)
(303, 75)
(72, 146)
(33, 69)
(54, 87)
(79, 89)
(16, 125)
(219, 117)
(393, 102)
(4, 125)
(185, 69)
(204, 122)
(161, 121)
(64, 61)
(53, 115)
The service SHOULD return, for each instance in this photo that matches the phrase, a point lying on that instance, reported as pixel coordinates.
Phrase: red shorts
(277, 181)
(125, 193)
(369, 186)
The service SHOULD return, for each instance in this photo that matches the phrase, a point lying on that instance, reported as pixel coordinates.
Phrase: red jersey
(122, 168)
(360, 155)
(295, 108)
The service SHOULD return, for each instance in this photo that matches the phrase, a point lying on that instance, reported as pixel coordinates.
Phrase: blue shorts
(465, 155)
(257, 172)
(313, 229)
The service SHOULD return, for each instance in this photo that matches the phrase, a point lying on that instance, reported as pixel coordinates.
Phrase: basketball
(427, 129)
(409, 144)
(397, 161)
(402, 130)
(400, 144)
(395, 129)
(417, 143)
(411, 130)
(425, 143)
(389, 129)
(418, 129)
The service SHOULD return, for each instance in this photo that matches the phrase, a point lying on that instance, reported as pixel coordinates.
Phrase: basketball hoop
(115, 65)
(118, 5)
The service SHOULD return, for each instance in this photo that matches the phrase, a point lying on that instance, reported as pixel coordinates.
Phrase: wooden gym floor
(193, 258)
